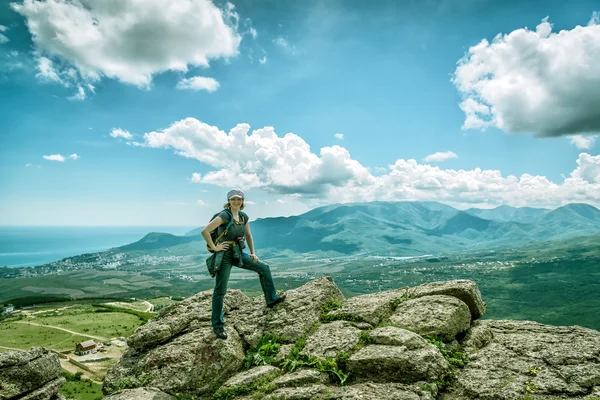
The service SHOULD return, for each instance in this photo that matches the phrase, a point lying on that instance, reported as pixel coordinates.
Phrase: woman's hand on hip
(221, 247)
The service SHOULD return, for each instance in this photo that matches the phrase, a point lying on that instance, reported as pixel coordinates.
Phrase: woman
(232, 245)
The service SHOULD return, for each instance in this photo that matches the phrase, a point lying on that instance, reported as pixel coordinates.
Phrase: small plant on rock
(454, 357)
(335, 304)
(530, 387)
(264, 353)
(332, 304)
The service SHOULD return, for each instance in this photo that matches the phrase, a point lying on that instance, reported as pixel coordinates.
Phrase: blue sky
(147, 114)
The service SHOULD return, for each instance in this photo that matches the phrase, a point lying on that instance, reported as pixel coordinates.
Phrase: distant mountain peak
(581, 209)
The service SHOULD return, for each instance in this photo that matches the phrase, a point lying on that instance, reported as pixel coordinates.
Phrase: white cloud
(200, 203)
(440, 156)
(80, 95)
(260, 159)
(284, 44)
(583, 142)
(253, 33)
(198, 83)
(28, 165)
(588, 168)
(3, 38)
(263, 60)
(281, 42)
(47, 71)
(55, 157)
(74, 156)
(131, 40)
(196, 178)
(533, 81)
(339, 136)
(118, 132)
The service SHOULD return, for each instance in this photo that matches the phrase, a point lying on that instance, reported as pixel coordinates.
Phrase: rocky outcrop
(30, 375)
(420, 343)
(177, 351)
(512, 359)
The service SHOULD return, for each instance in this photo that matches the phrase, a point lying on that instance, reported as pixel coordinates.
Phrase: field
(48, 327)
(22, 336)
(82, 390)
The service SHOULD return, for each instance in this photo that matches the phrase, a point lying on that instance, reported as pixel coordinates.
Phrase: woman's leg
(264, 273)
(221, 281)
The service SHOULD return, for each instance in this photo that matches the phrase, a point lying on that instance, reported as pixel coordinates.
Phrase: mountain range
(401, 229)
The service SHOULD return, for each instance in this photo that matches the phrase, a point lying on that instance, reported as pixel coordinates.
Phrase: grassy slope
(79, 318)
(22, 336)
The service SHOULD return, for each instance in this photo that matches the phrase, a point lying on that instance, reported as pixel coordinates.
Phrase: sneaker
(220, 333)
(277, 301)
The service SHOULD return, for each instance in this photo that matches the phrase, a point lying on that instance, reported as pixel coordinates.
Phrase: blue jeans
(222, 279)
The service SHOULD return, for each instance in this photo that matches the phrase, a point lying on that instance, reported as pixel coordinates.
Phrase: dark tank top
(237, 229)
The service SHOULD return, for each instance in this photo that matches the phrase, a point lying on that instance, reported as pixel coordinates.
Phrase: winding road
(150, 306)
(11, 348)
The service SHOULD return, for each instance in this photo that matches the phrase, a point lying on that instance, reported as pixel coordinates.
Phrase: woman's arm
(212, 225)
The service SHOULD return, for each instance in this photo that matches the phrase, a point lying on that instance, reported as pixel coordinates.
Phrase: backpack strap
(226, 227)
(244, 217)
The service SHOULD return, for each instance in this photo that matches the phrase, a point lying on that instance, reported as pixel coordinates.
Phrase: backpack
(215, 235)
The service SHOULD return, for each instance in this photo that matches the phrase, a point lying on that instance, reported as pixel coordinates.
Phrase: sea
(32, 246)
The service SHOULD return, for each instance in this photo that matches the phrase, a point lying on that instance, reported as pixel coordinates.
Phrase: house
(89, 346)
(9, 309)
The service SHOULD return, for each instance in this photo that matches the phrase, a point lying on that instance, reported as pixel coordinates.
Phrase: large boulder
(511, 359)
(329, 339)
(384, 363)
(436, 315)
(193, 363)
(47, 392)
(290, 319)
(295, 316)
(462, 289)
(392, 336)
(34, 373)
(188, 315)
(371, 308)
